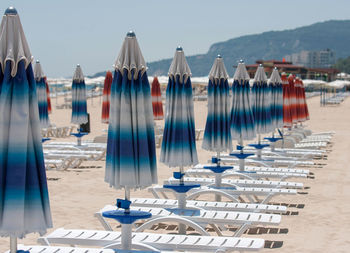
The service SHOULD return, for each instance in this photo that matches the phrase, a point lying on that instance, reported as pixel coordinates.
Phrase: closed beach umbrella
(261, 102)
(242, 119)
(24, 199)
(79, 111)
(299, 101)
(287, 116)
(131, 151)
(217, 133)
(49, 108)
(157, 103)
(304, 103)
(131, 154)
(179, 143)
(106, 96)
(293, 99)
(42, 95)
(275, 83)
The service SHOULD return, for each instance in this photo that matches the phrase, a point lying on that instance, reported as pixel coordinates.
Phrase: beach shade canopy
(293, 99)
(24, 200)
(287, 116)
(179, 143)
(42, 95)
(79, 109)
(49, 108)
(157, 103)
(106, 96)
(131, 155)
(261, 102)
(217, 133)
(275, 83)
(242, 119)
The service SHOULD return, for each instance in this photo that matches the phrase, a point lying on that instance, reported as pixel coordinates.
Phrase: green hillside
(268, 45)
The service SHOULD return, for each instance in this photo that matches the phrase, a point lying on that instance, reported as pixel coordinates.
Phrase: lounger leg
(241, 230)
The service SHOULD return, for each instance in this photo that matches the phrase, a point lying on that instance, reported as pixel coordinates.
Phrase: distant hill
(343, 65)
(333, 34)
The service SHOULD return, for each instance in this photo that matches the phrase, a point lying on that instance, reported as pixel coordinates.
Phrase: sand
(323, 225)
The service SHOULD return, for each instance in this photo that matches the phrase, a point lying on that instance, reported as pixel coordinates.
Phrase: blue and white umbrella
(275, 83)
(131, 151)
(131, 154)
(242, 119)
(261, 102)
(179, 143)
(217, 134)
(24, 199)
(79, 109)
(42, 95)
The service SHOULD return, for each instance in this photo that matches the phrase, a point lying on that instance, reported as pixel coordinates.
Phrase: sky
(64, 33)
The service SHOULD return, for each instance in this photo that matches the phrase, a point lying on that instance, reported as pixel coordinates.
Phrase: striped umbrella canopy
(24, 199)
(49, 108)
(106, 96)
(131, 153)
(293, 99)
(275, 83)
(261, 102)
(179, 143)
(304, 103)
(42, 95)
(217, 133)
(242, 119)
(157, 103)
(79, 108)
(287, 116)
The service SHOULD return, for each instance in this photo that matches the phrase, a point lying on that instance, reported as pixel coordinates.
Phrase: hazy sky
(66, 32)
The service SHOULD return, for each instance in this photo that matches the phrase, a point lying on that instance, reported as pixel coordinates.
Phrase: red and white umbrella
(287, 117)
(293, 99)
(49, 108)
(157, 100)
(106, 97)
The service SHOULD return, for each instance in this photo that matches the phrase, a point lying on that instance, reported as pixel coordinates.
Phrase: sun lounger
(160, 241)
(198, 219)
(260, 169)
(238, 182)
(94, 155)
(61, 249)
(248, 173)
(210, 205)
(237, 194)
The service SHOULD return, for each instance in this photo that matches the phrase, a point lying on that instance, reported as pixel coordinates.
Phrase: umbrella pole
(126, 228)
(241, 161)
(218, 178)
(13, 244)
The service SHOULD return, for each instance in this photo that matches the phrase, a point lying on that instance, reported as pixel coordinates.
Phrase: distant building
(313, 59)
(325, 74)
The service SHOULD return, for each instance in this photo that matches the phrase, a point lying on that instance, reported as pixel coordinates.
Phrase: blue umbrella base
(241, 155)
(258, 146)
(181, 188)
(126, 217)
(218, 168)
(273, 139)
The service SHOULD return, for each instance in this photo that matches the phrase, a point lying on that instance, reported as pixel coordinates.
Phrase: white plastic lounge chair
(210, 205)
(198, 219)
(248, 174)
(239, 194)
(61, 249)
(93, 155)
(160, 241)
(238, 182)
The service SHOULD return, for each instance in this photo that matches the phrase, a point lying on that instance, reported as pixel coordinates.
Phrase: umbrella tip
(275, 68)
(78, 65)
(131, 34)
(11, 11)
(179, 48)
(37, 61)
(241, 61)
(219, 56)
(260, 65)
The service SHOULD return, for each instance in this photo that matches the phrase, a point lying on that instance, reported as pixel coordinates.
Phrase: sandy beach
(319, 217)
